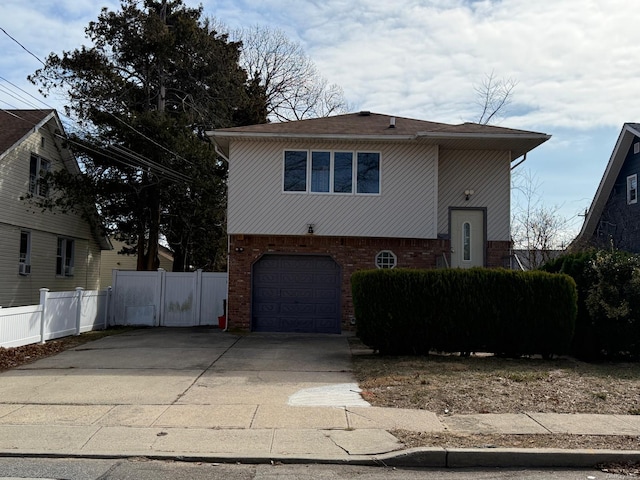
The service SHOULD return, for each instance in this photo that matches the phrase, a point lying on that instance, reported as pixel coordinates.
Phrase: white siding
(45, 228)
(487, 173)
(406, 207)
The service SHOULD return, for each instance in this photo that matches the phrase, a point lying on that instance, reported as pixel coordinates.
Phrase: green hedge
(478, 310)
(608, 322)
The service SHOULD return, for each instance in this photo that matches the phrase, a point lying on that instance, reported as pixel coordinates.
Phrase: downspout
(226, 310)
(524, 158)
(219, 152)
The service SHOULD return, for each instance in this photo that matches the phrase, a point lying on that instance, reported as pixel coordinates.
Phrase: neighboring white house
(115, 260)
(312, 201)
(59, 251)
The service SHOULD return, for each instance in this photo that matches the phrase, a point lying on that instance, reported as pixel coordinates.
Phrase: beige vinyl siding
(14, 183)
(45, 228)
(405, 208)
(18, 289)
(111, 260)
(487, 173)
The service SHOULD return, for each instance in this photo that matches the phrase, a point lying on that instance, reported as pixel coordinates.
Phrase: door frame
(484, 230)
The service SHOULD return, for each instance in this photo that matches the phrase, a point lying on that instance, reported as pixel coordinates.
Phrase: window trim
(382, 259)
(24, 261)
(632, 192)
(64, 261)
(35, 185)
(332, 153)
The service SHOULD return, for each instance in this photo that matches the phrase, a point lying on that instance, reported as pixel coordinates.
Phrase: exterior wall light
(467, 194)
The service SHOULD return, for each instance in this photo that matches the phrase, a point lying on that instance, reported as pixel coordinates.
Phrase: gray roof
(379, 127)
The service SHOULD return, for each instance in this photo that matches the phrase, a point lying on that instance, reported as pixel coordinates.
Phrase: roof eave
(612, 170)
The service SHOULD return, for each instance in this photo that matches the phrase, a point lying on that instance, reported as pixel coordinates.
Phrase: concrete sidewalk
(204, 394)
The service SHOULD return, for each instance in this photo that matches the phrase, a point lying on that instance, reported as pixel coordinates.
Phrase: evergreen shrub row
(401, 311)
(608, 321)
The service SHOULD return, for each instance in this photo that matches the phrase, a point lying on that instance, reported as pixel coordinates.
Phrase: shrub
(453, 310)
(608, 321)
(613, 302)
(576, 265)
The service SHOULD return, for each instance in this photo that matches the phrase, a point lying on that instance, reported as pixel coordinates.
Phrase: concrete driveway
(196, 391)
(192, 366)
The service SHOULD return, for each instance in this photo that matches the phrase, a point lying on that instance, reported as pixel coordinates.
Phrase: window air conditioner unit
(68, 271)
(24, 268)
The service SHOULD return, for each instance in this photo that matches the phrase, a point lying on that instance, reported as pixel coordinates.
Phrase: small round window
(386, 259)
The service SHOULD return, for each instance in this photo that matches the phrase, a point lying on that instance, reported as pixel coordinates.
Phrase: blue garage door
(296, 293)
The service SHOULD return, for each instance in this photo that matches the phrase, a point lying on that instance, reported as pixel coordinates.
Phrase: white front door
(467, 238)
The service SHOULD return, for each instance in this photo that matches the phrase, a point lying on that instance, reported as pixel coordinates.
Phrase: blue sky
(573, 61)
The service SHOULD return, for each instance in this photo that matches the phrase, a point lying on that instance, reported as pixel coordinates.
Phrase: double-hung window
(38, 168)
(339, 172)
(64, 257)
(632, 189)
(24, 260)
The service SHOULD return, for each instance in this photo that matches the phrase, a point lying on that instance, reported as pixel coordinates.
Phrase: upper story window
(24, 260)
(38, 168)
(632, 189)
(64, 257)
(320, 171)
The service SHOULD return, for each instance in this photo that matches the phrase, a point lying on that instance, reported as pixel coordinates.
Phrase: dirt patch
(453, 440)
(452, 385)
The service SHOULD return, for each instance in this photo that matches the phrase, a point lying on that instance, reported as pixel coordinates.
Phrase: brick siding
(351, 253)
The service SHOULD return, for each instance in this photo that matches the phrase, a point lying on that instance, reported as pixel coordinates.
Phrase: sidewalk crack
(527, 414)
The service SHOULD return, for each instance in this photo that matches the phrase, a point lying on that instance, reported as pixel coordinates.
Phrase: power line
(23, 47)
(104, 111)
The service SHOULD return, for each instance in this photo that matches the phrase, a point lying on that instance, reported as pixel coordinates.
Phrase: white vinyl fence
(59, 314)
(167, 299)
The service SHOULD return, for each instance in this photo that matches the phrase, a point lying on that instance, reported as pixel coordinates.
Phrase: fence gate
(168, 299)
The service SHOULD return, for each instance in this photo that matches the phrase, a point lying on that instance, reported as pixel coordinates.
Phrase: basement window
(386, 259)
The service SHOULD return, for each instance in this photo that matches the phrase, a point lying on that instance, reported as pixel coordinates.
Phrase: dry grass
(450, 384)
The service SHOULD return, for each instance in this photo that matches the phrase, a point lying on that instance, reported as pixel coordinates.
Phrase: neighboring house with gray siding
(312, 201)
(59, 251)
(613, 219)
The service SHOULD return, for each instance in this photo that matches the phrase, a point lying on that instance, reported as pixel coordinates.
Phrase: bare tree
(493, 96)
(536, 229)
(294, 88)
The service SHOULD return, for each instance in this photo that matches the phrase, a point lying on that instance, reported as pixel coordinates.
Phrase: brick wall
(351, 253)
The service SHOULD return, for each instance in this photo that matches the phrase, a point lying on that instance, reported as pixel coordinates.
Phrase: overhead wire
(141, 134)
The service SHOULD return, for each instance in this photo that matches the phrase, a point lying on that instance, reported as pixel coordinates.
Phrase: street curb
(430, 457)
(507, 457)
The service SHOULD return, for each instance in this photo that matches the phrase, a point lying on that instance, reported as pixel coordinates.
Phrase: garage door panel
(297, 278)
(296, 294)
(297, 308)
(297, 324)
(267, 278)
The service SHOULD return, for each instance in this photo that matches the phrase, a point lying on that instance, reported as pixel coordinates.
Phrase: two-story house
(59, 251)
(613, 219)
(312, 201)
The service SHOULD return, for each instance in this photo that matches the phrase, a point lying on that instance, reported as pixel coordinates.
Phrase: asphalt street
(144, 469)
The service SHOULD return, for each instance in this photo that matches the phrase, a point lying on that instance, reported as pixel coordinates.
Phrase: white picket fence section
(59, 314)
(167, 299)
